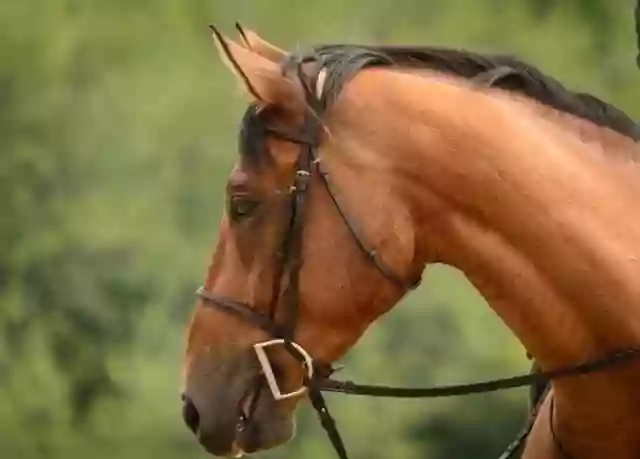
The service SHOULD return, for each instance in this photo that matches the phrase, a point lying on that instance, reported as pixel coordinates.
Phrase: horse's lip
(243, 423)
(236, 450)
(244, 404)
(244, 407)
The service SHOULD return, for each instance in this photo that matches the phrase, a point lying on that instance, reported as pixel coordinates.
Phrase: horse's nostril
(190, 414)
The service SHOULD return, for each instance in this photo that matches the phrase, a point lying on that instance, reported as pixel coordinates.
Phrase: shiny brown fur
(537, 207)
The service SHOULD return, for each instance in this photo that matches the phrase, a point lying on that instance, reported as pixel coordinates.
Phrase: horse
(360, 166)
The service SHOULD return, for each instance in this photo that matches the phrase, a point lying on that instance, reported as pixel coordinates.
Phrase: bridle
(308, 165)
(282, 332)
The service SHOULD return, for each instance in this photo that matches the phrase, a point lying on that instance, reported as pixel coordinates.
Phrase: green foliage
(117, 130)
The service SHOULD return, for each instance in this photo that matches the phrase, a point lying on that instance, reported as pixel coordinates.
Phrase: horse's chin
(264, 434)
(236, 451)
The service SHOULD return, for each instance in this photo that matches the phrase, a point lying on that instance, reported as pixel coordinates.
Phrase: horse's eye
(241, 207)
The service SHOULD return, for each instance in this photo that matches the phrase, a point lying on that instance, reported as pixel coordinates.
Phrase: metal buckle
(259, 348)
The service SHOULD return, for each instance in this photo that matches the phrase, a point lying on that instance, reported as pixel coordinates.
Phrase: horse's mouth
(236, 451)
(247, 425)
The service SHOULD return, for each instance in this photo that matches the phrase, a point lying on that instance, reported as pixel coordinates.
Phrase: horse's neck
(544, 223)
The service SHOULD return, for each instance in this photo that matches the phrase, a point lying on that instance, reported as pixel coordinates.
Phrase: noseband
(282, 332)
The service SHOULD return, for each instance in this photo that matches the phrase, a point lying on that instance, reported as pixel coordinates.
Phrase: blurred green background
(117, 130)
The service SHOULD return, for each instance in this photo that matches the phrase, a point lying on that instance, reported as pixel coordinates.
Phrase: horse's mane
(523, 78)
(342, 61)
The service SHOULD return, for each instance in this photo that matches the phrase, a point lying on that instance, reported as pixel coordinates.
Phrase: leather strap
(327, 422)
(591, 366)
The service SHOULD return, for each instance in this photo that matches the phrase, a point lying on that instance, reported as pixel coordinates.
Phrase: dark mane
(524, 79)
(342, 61)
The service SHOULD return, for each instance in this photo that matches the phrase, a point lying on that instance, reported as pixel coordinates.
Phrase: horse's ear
(262, 79)
(256, 44)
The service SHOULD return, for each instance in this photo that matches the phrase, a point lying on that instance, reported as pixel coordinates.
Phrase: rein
(317, 374)
(591, 366)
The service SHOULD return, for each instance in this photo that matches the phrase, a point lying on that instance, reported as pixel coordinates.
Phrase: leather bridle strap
(357, 235)
(289, 267)
(592, 366)
(241, 310)
(290, 298)
(524, 432)
(327, 422)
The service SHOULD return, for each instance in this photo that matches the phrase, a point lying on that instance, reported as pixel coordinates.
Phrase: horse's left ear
(256, 44)
(262, 79)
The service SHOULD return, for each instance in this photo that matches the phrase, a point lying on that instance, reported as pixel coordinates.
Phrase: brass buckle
(259, 349)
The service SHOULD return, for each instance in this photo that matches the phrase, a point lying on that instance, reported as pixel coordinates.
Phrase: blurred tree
(600, 17)
(78, 297)
(117, 131)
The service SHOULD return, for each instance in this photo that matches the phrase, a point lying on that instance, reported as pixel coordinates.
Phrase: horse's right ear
(261, 78)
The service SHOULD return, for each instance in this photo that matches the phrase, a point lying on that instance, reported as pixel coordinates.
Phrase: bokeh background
(117, 130)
